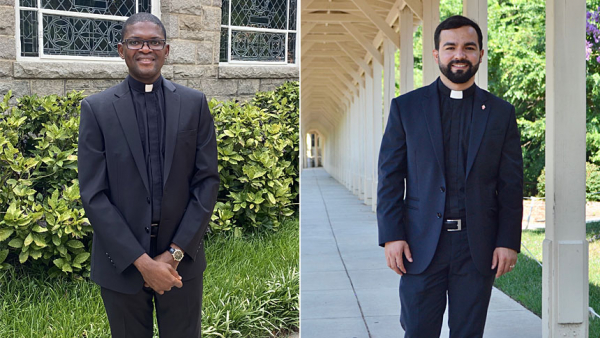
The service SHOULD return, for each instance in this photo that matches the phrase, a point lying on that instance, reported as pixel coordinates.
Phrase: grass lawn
(251, 289)
(524, 283)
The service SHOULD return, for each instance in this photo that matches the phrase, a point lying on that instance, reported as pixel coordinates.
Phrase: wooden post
(565, 283)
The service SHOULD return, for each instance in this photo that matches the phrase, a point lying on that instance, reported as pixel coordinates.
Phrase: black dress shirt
(456, 115)
(150, 113)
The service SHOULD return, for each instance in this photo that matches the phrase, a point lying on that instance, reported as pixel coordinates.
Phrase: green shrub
(41, 213)
(533, 146)
(41, 216)
(258, 160)
(592, 182)
(285, 100)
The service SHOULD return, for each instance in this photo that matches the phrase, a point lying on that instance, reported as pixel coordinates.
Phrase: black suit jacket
(411, 162)
(115, 190)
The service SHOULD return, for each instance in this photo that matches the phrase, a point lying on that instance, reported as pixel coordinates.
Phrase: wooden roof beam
(364, 42)
(329, 18)
(365, 67)
(416, 6)
(378, 21)
(306, 28)
(327, 38)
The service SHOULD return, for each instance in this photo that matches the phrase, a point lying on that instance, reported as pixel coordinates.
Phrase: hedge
(41, 216)
(592, 182)
(258, 160)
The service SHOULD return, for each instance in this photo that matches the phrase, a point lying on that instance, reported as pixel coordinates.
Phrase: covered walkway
(348, 81)
(347, 290)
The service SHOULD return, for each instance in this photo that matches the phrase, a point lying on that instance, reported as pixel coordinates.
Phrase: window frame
(266, 30)
(154, 9)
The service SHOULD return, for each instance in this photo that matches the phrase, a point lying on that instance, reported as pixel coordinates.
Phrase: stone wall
(193, 31)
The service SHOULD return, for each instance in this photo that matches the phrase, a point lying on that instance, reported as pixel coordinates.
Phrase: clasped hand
(159, 273)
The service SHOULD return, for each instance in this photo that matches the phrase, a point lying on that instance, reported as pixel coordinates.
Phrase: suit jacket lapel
(431, 108)
(126, 114)
(172, 110)
(481, 113)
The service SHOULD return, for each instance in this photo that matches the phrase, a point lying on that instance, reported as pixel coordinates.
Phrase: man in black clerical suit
(450, 191)
(148, 179)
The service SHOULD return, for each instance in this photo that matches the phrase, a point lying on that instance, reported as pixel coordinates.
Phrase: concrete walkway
(347, 291)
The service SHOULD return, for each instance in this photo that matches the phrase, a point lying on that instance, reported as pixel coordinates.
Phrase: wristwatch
(177, 254)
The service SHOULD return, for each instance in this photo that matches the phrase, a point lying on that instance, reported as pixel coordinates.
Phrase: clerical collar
(142, 87)
(455, 94)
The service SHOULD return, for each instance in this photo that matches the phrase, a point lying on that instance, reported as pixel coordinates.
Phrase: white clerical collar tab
(456, 94)
(149, 89)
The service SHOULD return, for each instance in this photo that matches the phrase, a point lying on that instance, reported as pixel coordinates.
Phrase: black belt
(458, 224)
(153, 229)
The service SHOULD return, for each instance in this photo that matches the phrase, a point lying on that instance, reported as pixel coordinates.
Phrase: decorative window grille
(73, 28)
(258, 31)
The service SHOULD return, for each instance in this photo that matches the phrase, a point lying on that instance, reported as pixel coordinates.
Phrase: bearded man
(450, 191)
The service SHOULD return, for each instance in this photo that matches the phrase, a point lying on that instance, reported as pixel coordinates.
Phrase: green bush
(592, 182)
(41, 213)
(285, 100)
(41, 216)
(258, 160)
(533, 145)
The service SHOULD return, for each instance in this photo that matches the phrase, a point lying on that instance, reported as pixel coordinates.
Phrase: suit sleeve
(109, 226)
(392, 170)
(510, 189)
(204, 187)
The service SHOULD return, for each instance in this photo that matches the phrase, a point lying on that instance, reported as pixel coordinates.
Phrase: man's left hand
(167, 257)
(505, 259)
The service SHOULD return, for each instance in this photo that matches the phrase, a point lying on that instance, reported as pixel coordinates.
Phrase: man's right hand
(393, 255)
(159, 276)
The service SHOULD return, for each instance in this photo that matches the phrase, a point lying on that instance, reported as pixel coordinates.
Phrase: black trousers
(178, 311)
(451, 277)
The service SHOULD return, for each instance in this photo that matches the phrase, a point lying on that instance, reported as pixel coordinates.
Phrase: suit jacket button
(148, 200)
(439, 215)
(442, 189)
(147, 230)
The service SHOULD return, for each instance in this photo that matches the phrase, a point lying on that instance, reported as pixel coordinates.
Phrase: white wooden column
(318, 150)
(332, 145)
(356, 149)
(368, 139)
(565, 284)
(302, 150)
(347, 148)
(431, 18)
(338, 151)
(376, 128)
(343, 149)
(389, 75)
(360, 141)
(349, 151)
(476, 10)
(406, 51)
(352, 151)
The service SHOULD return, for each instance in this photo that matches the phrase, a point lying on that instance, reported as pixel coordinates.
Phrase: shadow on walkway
(347, 291)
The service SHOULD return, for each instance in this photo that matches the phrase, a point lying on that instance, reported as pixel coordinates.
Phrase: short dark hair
(453, 22)
(143, 17)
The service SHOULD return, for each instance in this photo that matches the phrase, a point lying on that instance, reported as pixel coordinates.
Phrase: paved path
(347, 291)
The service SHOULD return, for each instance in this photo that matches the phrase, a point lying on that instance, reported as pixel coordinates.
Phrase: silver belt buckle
(459, 224)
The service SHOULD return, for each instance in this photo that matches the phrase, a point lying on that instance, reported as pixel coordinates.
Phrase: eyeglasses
(136, 44)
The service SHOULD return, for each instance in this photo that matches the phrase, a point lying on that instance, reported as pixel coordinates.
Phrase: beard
(461, 76)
